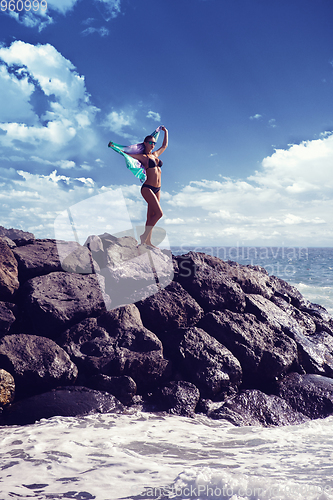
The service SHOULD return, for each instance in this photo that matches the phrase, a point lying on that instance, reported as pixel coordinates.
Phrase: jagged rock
(116, 343)
(314, 357)
(18, 236)
(202, 360)
(179, 398)
(132, 273)
(253, 407)
(170, 309)
(58, 300)
(37, 363)
(47, 256)
(65, 402)
(7, 388)
(7, 317)
(264, 352)
(9, 282)
(123, 387)
(206, 279)
(309, 394)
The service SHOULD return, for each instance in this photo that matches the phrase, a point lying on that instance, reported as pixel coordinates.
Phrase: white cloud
(117, 121)
(155, 116)
(256, 117)
(41, 72)
(272, 123)
(100, 31)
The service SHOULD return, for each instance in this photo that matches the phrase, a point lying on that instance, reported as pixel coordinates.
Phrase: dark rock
(58, 300)
(253, 407)
(18, 236)
(314, 357)
(7, 317)
(202, 360)
(116, 343)
(64, 402)
(309, 394)
(170, 309)
(37, 364)
(123, 387)
(47, 256)
(180, 398)
(131, 272)
(206, 279)
(9, 282)
(7, 388)
(264, 352)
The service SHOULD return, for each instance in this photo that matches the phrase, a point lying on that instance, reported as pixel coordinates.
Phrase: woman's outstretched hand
(110, 144)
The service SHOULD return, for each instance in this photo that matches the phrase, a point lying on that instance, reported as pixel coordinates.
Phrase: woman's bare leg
(154, 213)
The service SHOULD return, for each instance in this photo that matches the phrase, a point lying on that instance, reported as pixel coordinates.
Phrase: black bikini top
(152, 164)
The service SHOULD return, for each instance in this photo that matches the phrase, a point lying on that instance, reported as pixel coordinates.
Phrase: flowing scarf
(132, 164)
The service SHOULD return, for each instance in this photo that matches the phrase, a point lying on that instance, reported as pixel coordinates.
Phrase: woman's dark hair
(148, 138)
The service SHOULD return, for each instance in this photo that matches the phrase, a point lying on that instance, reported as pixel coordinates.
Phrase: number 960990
(23, 5)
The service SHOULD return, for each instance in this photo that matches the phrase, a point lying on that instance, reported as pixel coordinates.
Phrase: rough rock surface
(65, 402)
(7, 388)
(36, 363)
(169, 332)
(9, 282)
(59, 300)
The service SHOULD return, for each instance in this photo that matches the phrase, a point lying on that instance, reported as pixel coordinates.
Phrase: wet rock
(169, 309)
(206, 279)
(309, 394)
(179, 398)
(314, 356)
(116, 343)
(7, 317)
(19, 237)
(7, 388)
(37, 363)
(202, 360)
(264, 352)
(64, 402)
(9, 282)
(253, 407)
(58, 300)
(123, 387)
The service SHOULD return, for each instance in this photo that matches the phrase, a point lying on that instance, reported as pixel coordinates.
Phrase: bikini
(152, 164)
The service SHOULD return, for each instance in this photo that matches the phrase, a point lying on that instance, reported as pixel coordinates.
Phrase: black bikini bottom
(152, 188)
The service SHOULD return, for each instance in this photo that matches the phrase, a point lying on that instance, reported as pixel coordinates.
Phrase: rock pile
(107, 325)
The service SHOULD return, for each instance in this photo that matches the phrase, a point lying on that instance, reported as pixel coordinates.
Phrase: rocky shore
(109, 326)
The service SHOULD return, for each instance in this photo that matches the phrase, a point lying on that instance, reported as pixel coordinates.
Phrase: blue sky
(244, 87)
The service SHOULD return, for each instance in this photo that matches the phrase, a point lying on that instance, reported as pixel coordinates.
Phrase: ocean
(141, 456)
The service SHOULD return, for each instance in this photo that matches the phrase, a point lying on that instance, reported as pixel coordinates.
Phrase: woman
(150, 190)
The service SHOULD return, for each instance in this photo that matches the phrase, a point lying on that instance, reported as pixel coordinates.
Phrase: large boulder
(131, 272)
(7, 317)
(64, 402)
(263, 351)
(314, 356)
(47, 256)
(123, 387)
(202, 360)
(309, 394)
(116, 343)
(9, 282)
(169, 309)
(253, 407)
(7, 388)
(206, 279)
(179, 398)
(59, 300)
(37, 364)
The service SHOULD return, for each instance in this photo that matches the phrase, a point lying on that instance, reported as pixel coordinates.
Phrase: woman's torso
(153, 171)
